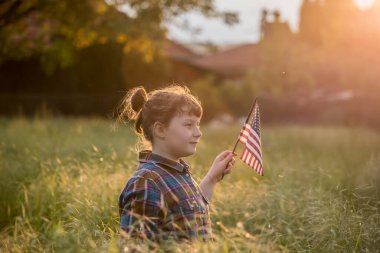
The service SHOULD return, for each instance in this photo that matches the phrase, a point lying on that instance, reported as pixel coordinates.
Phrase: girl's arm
(215, 173)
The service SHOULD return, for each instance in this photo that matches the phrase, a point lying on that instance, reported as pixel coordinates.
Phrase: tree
(54, 30)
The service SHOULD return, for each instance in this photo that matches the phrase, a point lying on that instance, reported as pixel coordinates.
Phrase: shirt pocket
(188, 207)
(195, 205)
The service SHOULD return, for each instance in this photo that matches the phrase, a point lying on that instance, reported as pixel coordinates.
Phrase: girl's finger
(227, 153)
(223, 155)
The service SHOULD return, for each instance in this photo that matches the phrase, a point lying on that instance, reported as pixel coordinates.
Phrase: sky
(215, 31)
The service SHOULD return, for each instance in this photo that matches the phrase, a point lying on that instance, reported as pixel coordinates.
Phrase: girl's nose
(198, 133)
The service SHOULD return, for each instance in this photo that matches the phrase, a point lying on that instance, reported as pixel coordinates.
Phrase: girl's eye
(191, 124)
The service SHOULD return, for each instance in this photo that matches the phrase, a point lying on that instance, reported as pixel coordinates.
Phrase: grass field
(60, 180)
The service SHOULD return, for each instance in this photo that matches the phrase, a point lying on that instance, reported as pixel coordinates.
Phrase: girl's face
(183, 134)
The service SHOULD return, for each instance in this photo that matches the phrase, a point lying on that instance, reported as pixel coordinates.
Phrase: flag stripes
(250, 136)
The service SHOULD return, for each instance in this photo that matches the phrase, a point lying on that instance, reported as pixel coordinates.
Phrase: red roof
(178, 51)
(234, 61)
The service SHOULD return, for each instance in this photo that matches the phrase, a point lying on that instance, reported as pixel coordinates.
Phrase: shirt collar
(146, 155)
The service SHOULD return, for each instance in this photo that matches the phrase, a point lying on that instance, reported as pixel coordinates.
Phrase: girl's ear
(159, 130)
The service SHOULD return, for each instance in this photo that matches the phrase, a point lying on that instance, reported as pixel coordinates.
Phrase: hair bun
(138, 98)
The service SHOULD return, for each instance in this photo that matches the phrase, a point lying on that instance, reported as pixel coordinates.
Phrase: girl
(161, 200)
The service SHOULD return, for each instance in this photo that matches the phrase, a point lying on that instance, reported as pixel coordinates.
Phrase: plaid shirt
(162, 200)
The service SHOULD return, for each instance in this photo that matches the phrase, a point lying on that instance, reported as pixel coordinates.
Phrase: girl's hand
(222, 165)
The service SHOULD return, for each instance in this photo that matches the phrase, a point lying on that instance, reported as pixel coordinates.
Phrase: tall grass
(60, 179)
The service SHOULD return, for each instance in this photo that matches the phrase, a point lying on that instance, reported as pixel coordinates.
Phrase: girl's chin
(194, 150)
(190, 151)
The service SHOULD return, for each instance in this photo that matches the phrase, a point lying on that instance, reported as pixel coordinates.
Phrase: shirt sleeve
(141, 209)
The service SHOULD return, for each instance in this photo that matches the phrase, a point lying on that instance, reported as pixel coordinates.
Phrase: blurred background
(314, 67)
(306, 61)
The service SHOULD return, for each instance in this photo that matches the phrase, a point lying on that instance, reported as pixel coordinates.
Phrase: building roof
(178, 51)
(233, 61)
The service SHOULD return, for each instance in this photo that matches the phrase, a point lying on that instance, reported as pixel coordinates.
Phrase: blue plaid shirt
(162, 200)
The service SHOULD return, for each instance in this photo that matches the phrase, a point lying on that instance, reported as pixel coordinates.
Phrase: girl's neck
(165, 154)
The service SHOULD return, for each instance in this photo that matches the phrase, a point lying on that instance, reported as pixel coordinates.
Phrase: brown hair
(158, 105)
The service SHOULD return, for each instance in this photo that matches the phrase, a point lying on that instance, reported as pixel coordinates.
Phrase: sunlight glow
(364, 4)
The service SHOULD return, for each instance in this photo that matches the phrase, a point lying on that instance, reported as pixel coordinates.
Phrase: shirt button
(187, 174)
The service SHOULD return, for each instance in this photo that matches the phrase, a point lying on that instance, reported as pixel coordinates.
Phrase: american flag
(250, 136)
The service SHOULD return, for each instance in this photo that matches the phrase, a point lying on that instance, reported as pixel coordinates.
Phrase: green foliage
(231, 96)
(206, 90)
(238, 95)
(60, 180)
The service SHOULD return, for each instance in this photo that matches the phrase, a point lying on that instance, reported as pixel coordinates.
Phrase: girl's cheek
(185, 135)
(182, 133)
